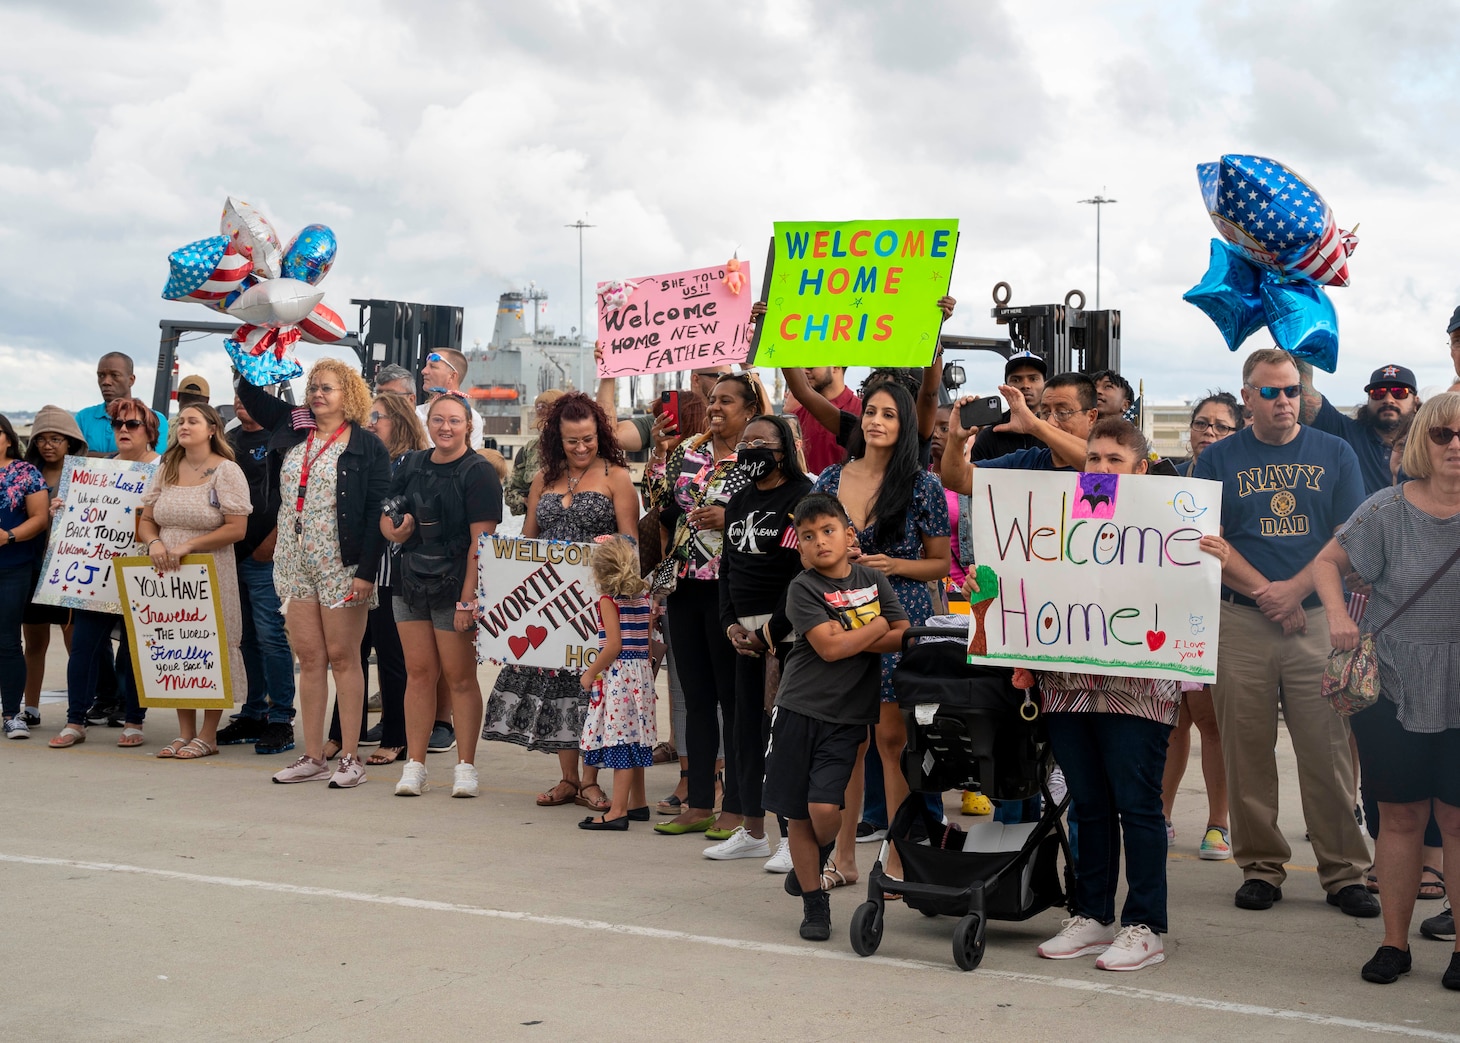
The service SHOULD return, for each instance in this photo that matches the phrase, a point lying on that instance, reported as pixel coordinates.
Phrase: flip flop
(67, 737)
(1371, 881)
(131, 737)
(169, 751)
(1432, 890)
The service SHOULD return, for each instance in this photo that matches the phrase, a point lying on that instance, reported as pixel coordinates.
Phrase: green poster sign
(855, 293)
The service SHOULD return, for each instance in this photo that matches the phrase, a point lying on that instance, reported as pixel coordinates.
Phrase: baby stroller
(967, 728)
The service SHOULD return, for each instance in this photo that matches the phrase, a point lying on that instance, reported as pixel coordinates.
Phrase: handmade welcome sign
(855, 293)
(684, 320)
(175, 631)
(536, 603)
(96, 523)
(1095, 573)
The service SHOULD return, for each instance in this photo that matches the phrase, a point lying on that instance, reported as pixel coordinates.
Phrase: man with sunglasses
(115, 377)
(442, 375)
(1393, 399)
(1285, 489)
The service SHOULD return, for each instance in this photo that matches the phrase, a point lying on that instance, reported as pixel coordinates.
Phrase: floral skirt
(536, 709)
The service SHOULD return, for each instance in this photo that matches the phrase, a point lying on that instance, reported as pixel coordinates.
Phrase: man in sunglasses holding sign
(1393, 399)
(442, 375)
(1285, 489)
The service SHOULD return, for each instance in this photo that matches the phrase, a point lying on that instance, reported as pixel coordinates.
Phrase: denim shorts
(441, 617)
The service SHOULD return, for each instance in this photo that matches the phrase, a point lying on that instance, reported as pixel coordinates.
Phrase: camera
(396, 508)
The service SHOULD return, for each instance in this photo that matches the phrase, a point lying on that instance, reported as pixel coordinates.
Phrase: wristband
(465, 606)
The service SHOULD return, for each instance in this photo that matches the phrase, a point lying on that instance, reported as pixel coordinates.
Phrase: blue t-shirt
(96, 428)
(17, 481)
(1281, 503)
(1372, 451)
(1040, 458)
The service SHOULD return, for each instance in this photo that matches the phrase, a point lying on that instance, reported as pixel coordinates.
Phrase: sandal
(600, 805)
(131, 737)
(331, 750)
(386, 755)
(552, 799)
(169, 751)
(195, 749)
(1371, 881)
(664, 752)
(1431, 890)
(672, 804)
(68, 736)
(832, 878)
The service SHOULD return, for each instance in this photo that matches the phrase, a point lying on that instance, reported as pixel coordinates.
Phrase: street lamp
(580, 224)
(1097, 202)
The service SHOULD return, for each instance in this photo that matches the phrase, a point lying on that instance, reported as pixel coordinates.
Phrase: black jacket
(363, 480)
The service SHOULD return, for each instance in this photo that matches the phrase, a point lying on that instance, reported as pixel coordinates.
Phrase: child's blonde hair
(616, 568)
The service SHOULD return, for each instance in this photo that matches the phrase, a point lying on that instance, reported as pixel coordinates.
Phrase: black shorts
(1401, 767)
(808, 762)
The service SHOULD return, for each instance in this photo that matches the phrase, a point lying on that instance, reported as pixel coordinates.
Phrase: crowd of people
(769, 562)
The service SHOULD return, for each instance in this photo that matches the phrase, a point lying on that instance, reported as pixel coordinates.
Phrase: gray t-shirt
(846, 691)
(1395, 546)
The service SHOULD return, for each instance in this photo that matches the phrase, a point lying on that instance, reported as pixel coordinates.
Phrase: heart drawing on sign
(519, 646)
(537, 635)
(1155, 639)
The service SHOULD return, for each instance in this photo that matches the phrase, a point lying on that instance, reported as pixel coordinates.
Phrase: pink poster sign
(684, 320)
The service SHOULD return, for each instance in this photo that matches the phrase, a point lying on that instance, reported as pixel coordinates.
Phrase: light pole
(580, 224)
(1097, 202)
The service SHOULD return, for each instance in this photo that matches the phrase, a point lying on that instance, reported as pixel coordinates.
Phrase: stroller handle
(911, 634)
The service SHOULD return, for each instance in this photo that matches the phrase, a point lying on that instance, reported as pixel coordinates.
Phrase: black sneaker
(99, 712)
(816, 921)
(31, 715)
(240, 731)
(1355, 900)
(276, 737)
(868, 833)
(1441, 926)
(372, 736)
(1387, 965)
(443, 738)
(1451, 978)
(1259, 894)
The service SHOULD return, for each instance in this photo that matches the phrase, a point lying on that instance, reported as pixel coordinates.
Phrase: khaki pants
(1257, 666)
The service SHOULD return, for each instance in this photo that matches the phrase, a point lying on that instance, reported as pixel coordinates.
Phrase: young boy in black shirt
(845, 615)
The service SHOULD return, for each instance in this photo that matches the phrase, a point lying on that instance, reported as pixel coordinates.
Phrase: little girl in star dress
(619, 729)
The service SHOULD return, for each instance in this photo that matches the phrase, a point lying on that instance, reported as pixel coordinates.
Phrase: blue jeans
(14, 596)
(267, 660)
(91, 644)
(1113, 764)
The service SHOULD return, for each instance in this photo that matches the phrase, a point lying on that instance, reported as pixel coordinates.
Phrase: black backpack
(433, 561)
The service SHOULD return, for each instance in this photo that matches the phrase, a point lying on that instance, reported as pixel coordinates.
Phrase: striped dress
(1155, 700)
(619, 729)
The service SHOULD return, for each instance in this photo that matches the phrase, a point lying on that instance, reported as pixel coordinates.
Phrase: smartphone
(981, 411)
(1163, 466)
(671, 407)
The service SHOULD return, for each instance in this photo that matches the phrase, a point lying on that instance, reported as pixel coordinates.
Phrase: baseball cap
(1391, 376)
(1454, 322)
(1025, 358)
(193, 385)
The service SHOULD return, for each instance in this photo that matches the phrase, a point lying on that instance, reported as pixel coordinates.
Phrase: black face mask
(755, 464)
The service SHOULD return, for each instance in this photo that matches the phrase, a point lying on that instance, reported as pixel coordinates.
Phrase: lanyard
(304, 475)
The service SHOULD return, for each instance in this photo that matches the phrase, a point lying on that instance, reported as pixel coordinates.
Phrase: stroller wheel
(866, 929)
(968, 942)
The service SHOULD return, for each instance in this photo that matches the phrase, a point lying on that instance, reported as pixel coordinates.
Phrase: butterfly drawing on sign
(1094, 496)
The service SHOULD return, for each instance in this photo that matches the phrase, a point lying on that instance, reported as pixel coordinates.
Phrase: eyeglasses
(759, 443)
(1442, 435)
(1059, 414)
(436, 356)
(1399, 394)
(1270, 393)
(49, 439)
(442, 420)
(376, 417)
(323, 389)
(1201, 426)
(130, 425)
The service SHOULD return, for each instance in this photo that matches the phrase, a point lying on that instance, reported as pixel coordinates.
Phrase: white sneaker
(412, 780)
(739, 844)
(16, 728)
(1134, 947)
(464, 782)
(780, 862)
(1079, 936)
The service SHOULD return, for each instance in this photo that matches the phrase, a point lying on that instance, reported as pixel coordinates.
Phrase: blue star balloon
(1302, 321)
(1228, 293)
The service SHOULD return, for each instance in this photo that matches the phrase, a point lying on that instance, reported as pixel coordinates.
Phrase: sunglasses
(1399, 394)
(1442, 435)
(130, 425)
(1270, 393)
(376, 417)
(436, 356)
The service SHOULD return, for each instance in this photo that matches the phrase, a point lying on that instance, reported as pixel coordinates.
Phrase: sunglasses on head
(130, 425)
(1443, 435)
(447, 391)
(436, 356)
(1399, 394)
(1270, 393)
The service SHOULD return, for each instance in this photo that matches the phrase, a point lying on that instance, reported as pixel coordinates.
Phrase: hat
(1454, 322)
(1025, 358)
(546, 398)
(193, 385)
(55, 420)
(1392, 376)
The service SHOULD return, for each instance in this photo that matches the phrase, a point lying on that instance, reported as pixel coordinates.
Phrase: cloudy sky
(448, 143)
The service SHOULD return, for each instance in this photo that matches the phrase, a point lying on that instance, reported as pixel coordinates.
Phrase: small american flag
(789, 539)
(1356, 605)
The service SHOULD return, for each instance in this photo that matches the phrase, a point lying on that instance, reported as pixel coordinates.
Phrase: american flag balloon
(205, 271)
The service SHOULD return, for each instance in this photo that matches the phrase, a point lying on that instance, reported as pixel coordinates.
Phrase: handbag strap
(1426, 585)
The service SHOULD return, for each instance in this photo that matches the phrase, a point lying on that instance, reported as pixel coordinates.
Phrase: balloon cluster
(1280, 246)
(245, 272)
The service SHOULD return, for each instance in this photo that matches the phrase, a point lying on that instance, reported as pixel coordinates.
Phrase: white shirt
(476, 424)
